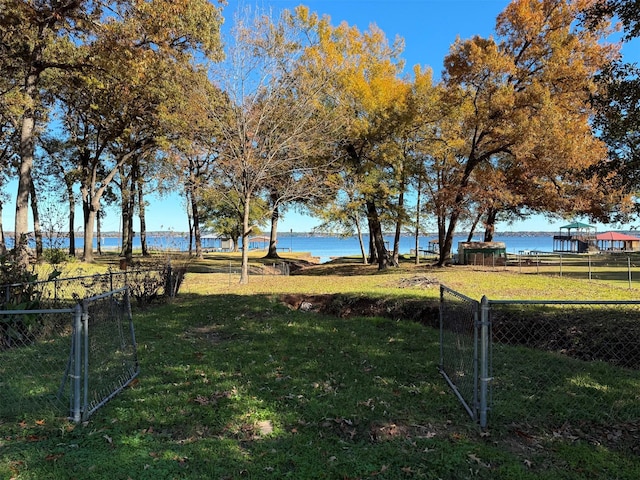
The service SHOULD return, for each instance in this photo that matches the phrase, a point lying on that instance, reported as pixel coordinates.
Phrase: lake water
(326, 247)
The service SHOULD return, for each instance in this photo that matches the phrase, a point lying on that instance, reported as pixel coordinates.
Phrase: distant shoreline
(160, 233)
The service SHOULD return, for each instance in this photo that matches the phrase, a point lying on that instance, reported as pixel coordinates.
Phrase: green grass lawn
(234, 384)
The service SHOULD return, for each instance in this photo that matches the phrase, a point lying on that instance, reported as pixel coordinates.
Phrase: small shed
(617, 242)
(482, 253)
(216, 243)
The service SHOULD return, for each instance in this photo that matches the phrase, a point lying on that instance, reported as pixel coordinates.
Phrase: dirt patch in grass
(345, 306)
(210, 332)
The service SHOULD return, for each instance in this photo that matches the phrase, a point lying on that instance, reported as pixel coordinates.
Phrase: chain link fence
(145, 286)
(61, 362)
(549, 365)
(591, 266)
(459, 346)
(229, 273)
(623, 267)
(555, 362)
(34, 349)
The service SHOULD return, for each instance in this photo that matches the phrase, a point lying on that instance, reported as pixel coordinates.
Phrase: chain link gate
(459, 347)
(96, 342)
(543, 364)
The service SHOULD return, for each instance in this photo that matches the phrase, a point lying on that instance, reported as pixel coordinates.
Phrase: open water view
(323, 247)
(327, 247)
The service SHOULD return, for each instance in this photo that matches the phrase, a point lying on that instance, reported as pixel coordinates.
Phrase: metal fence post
(484, 360)
(441, 325)
(560, 264)
(85, 325)
(77, 363)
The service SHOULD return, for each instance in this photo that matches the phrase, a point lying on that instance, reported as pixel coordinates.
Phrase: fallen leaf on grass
(474, 458)
(52, 457)
(133, 383)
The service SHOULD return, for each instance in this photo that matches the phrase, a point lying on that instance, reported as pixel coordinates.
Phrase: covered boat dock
(575, 238)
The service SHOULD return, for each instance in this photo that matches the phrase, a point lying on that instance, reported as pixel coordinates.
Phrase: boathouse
(576, 237)
(259, 243)
(617, 242)
(216, 243)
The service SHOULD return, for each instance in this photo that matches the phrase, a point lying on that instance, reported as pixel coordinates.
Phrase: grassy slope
(236, 385)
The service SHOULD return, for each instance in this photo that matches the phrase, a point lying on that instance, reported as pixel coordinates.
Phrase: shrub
(55, 256)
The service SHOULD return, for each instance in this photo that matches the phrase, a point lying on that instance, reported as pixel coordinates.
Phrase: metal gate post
(484, 361)
(440, 318)
(77, 365)
(85, 325)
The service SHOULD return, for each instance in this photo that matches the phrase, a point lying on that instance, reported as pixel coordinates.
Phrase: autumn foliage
(306, 114)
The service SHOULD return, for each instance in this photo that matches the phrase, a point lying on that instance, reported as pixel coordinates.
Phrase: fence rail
(608, 266)
(57, 362)
(543, 362)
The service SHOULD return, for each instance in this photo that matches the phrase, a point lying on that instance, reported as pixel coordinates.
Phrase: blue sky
(428, 27)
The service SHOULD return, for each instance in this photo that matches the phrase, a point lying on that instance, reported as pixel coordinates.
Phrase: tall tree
(122, 108)
(38, 37)
(274, 120)
(524, 97)
(367, 91)
(617, 102)
(77, 36)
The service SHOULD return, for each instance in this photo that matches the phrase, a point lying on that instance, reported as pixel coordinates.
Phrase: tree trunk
(490, 227)
(474, 225)
(396, 238)
(445, 246)
(37, 230)
(27, 147)
(246, 231)
(375, 230)
(72, 216)
(196, 225)
(90, 220)
(90, 209)
(373, 254)
(189, 194)
(360, 241)
(99, 232)
(128, 200)
(141, 211)
(273, 235)
(3, 245)
(417, 231)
